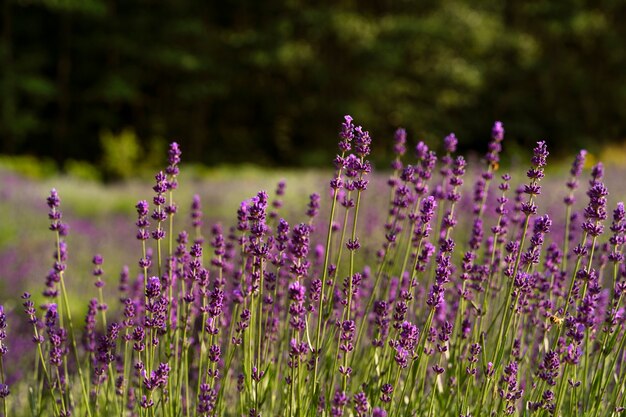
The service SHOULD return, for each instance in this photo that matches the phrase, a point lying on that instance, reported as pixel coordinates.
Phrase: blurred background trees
(268, 81)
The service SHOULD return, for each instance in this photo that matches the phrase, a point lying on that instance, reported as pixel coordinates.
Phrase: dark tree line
(268, 81)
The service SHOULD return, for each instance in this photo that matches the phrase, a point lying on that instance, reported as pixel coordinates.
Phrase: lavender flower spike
(450, 142)
(399, 147)
(4, 388)
(346, 135)
(497, 131)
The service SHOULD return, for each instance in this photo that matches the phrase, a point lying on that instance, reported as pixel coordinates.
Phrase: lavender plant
(475, 304)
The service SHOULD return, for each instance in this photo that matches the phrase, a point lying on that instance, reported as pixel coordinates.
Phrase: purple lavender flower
(55, 215)
(339, 402)
(618, 227)
(278, 203)
(540, 155)
(385, 393)
(549, 369)
(159, 213)
(538, 160)
(153, 287)
(450, 142)
(4, 388)
(97, 270)
(476, 236)
(421, 150)
(346, 135)
(242, 217)
(475, 350)
(346, 339)
(362, 142)
(257, 212)
(444, 336)
(379, 412)
(56, 336)
(282, 236)
(493, 157)
(216, 303)
(442, 276)
(541, 228)
(578, 164)
(572, 354)
(361, 406)
(3, 331)
(597, 173)
(173, 160)
(575, 171)
(196, 218)
(29, 309)
(142, 220)
(381, 320)
(399, 147)
(89, 336)
(595, 212)
(206, 400)
(428, 209)
(158, 378)
(297, 293)
(300, 240)
(510, 391)
(54, 202)
(314, 205)
(497, 131)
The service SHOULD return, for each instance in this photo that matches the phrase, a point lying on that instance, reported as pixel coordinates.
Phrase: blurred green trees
(268, 81)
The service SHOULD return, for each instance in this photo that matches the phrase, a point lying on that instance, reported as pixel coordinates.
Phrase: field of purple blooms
(436, 288)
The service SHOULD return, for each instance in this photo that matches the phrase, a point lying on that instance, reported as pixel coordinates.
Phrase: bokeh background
(86, 83)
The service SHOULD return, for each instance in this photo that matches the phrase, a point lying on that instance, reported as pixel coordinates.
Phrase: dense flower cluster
(460, 300)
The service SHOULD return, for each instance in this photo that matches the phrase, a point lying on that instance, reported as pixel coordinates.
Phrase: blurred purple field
(101, 217)
(101, 220)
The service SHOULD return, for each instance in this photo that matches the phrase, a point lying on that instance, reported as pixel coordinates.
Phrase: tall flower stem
(71, 330)
(505, 323)
(318, 335)
(2, 381)
(413, 375)
(344, 228)
(350, 280)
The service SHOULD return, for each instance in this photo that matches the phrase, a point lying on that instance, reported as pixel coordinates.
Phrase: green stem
(229, 359)
(349, 306)
(126, 372)
(432, 392)
(4, 400)
(74, 345)
(612, 366)
(416, 364)
(320, 318)
(506, 319)
(561, 391)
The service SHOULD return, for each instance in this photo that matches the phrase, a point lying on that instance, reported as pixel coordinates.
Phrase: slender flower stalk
(498, 231)
(569, 200)
(345, 145)
(4, 388)
(61, 230)
(535, 174)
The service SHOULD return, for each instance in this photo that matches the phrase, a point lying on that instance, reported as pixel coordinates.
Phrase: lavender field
(434, 286)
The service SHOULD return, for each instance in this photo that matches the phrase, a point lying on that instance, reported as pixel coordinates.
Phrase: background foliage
(238, 80)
